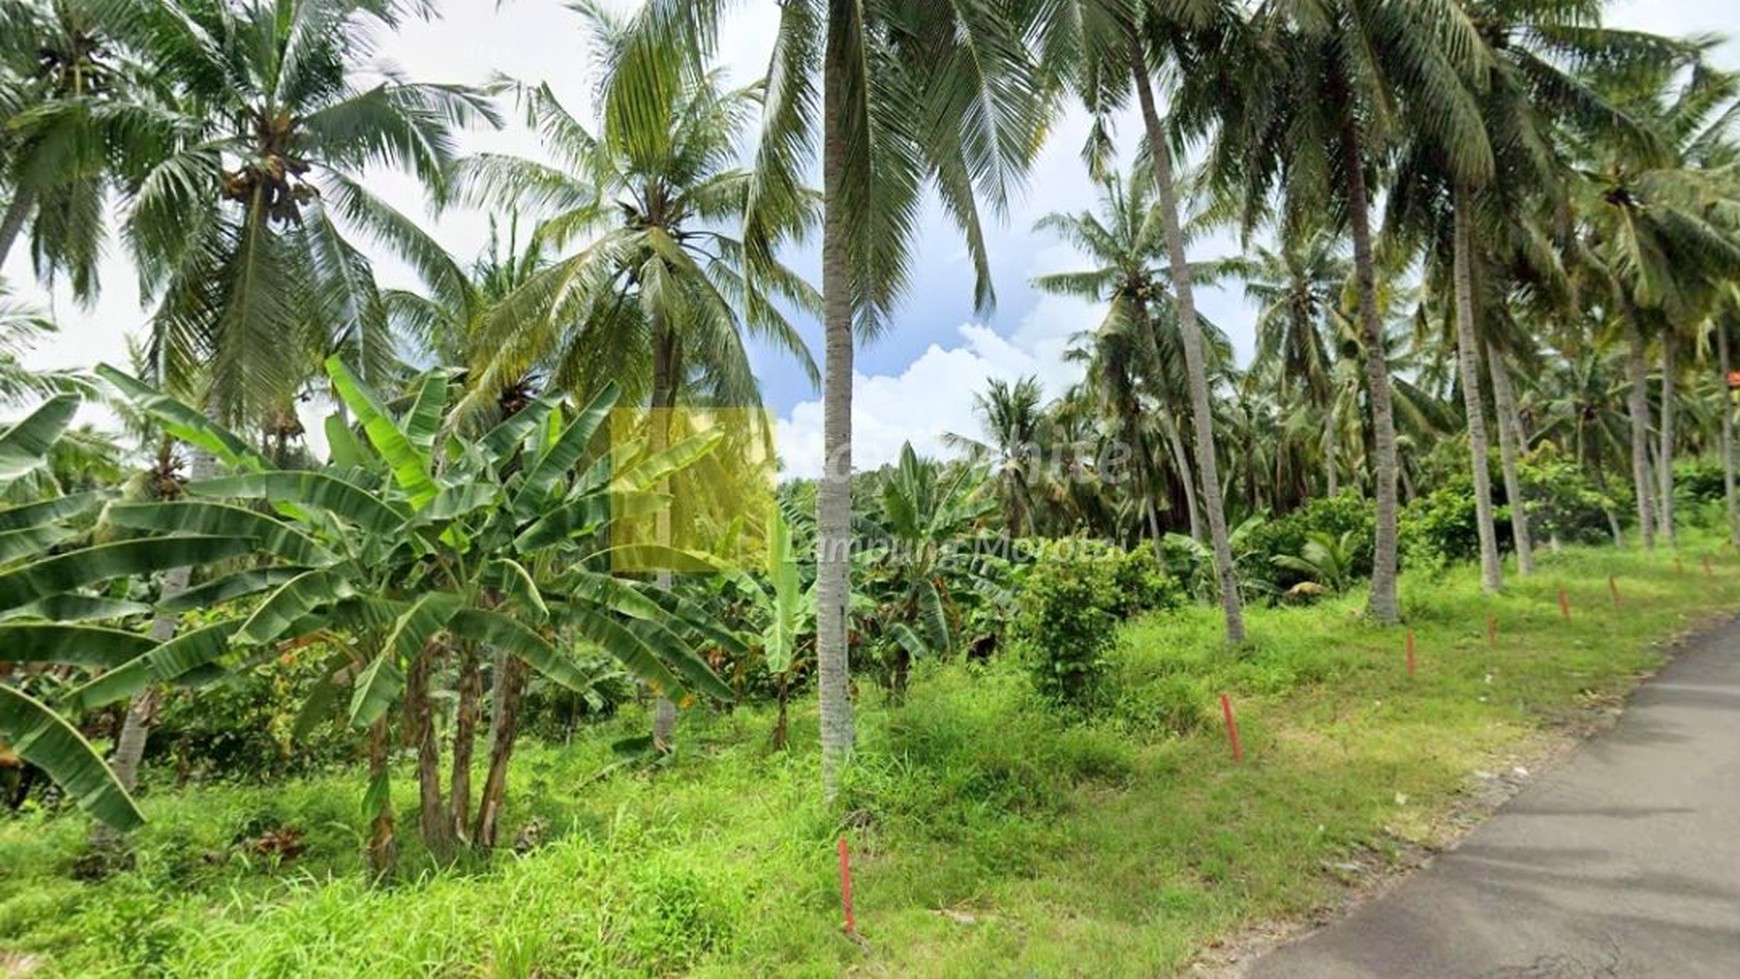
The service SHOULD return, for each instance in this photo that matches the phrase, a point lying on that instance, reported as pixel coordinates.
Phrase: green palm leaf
(42, 738)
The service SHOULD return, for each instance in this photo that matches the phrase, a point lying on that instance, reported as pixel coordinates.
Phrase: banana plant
(409, 544)
(786, 610)
(30, 729)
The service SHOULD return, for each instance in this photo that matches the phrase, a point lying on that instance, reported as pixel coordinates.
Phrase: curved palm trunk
(1665, 453)
(1728, 492)
(1468, 358)
(1510, 443)
(663, 397)
(1186, 473)
(1384, 606)
(13, 223)
(834, 493)
(1637, 373)
(1330, 469)
(1207, 467)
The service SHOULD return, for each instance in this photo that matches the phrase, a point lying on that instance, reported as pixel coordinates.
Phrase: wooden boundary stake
(1232, 728)
(1564, 605)
(1708, 569)
(1613, 587)
(1492, 628)
(846, 889)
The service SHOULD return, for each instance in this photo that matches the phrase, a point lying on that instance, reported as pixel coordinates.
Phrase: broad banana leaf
(185, 423)
(410, 466)
(314, 490)
(15, 544)
(202, 518)
(77, 569)
(502, 441)
(518, 639)
(41, 737)
(561, 458)
(173, 660)
(77, 645)
(24, 447)
(79, 608)
(294, 599)
(377, 689)
(49, 511)
(423, 422)
(648, 471)
(230, 587)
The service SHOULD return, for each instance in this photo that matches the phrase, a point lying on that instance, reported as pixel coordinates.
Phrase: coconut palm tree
(941, 96)
(78, 117)
(1013, 421)
(244, 231)
(1664, 236)
(660, 294)
(1326, 89)
(1297, 290)
(1141, 337)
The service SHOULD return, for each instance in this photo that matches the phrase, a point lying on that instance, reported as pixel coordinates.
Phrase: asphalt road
(1621, 862)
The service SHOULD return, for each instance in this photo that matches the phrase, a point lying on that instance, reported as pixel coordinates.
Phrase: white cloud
(934, 395)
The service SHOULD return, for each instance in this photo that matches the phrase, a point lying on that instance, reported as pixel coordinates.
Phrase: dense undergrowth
(990, 836)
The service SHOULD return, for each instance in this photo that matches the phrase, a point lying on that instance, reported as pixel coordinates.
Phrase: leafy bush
(1564, 504)
(243, 727)
(1442, 526)
(1698, 481)
(1346, 516)
(1140, 585)
(1064, 627)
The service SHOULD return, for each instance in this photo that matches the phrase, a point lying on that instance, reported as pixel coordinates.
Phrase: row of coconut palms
(1551, 181)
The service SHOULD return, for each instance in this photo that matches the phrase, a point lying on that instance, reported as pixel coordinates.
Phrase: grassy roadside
(990, 839)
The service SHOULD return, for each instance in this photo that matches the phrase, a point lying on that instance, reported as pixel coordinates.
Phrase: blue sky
(917, 381)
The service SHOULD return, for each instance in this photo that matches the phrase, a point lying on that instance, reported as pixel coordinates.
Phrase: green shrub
(1442, 526)
(243, 727)
(1698, 481)
(1141, 585)
(1564, 504)
(1065, 624)
(1286, 536)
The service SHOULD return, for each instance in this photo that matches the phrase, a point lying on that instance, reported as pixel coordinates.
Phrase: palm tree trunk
(1332, 470)
(1468, 359)
(13, 222)
(1385, 607)
(663, 398)
(1207, 467)
(1510, 442)
(1665, 454)
(1186, 473)
(834, 493)
(1727, 409)
(464, 741)
(1637, 372)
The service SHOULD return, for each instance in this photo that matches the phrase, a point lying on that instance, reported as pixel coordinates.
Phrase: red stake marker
(1564, 605)
(1410, 652)
(1232, 728)
(1492, 629)
(1613, 586)
(846, 889)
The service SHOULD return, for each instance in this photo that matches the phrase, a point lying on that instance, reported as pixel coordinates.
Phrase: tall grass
(989, 836)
